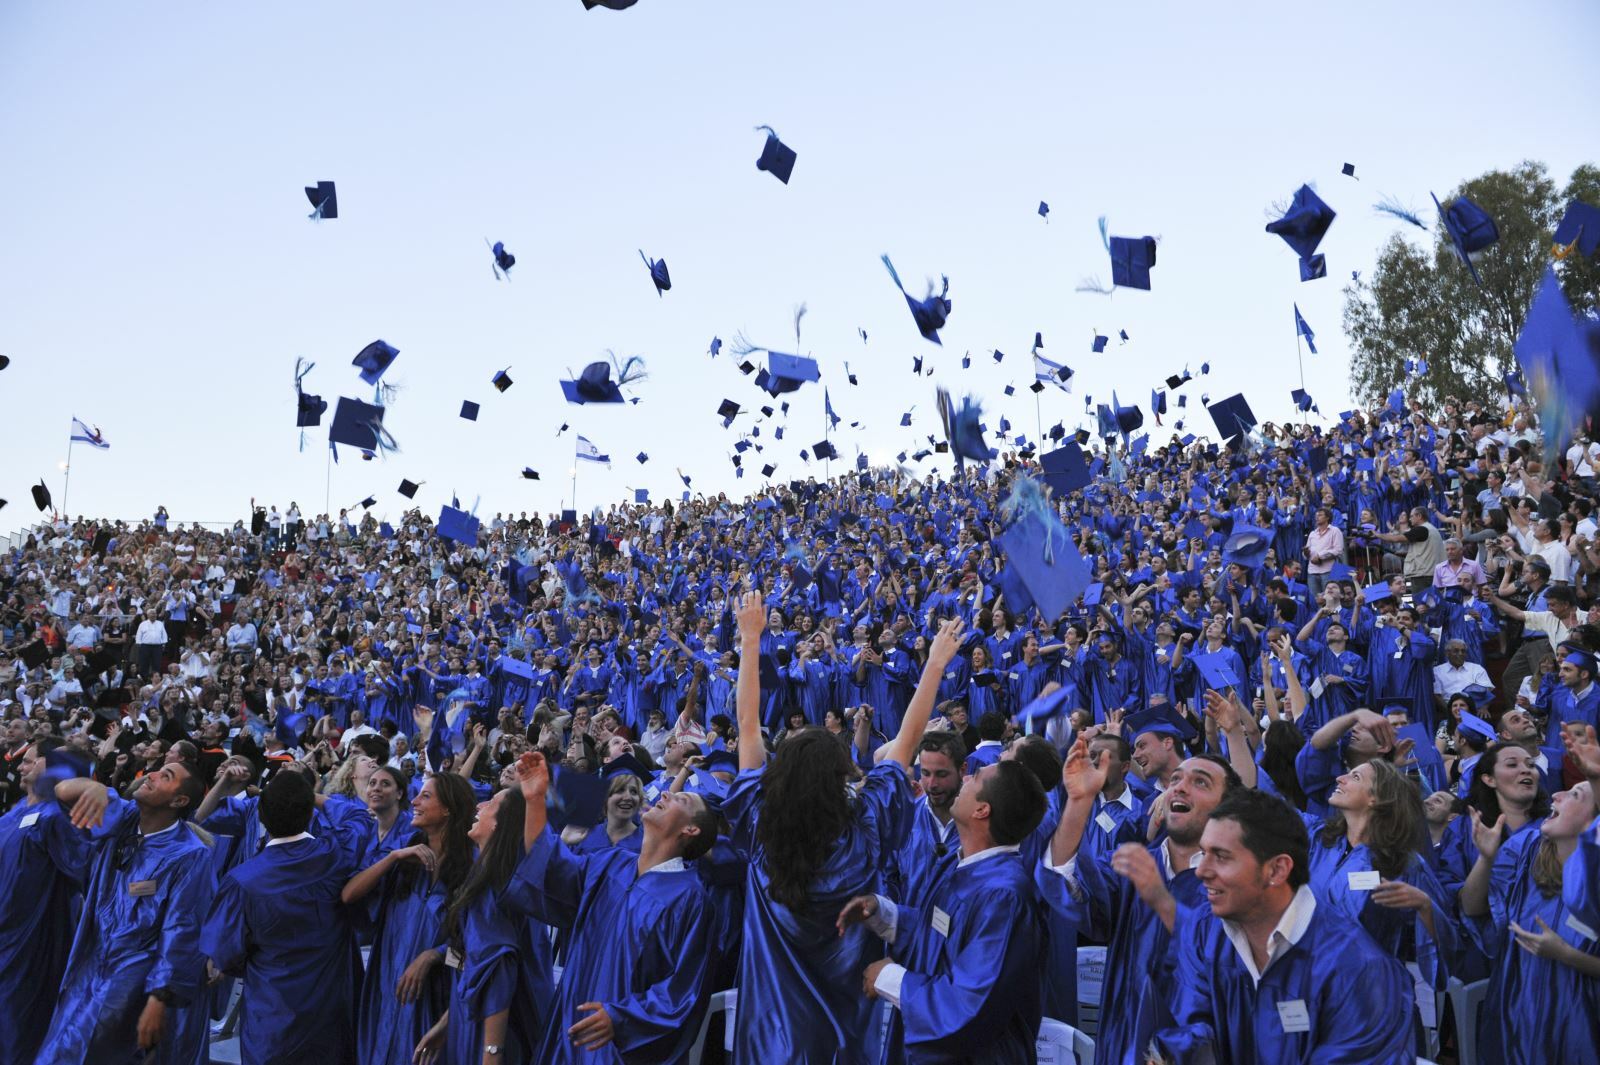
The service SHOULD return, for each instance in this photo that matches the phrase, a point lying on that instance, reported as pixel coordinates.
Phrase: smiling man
(1264, 974)
(932, 835)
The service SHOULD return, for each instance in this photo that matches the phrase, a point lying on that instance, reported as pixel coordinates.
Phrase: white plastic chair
(1465, 1000)
(725, 1002)
(1091, 976)
(1062, 1044)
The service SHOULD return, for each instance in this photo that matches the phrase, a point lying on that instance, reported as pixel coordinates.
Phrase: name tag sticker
(141, 889)
(1582, 929)
(1293, 1016)
(1365, 881)
(452, 960)
(33, 819)
(941, 921)
(1106, 821)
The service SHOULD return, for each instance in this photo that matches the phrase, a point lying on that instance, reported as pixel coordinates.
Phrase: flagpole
(1299, 358)
(1038, 421)
(574, 478)
(67, 485)
(327, 481)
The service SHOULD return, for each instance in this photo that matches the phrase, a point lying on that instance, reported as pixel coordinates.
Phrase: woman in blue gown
(385, 797)
(1543, 1002)
(813, 846)
(404, 992)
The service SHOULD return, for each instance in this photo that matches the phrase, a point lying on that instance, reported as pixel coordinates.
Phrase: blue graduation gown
(1536, 1010)
(1580, 880)
(39, 852)
(1139, 982)
(723, 872)
(922, 847)
(506, 967)
(639, 947)
(139, 932)
(1356, 998)
(979, 999)
(799, 981)
(410, 920)
(277, 921)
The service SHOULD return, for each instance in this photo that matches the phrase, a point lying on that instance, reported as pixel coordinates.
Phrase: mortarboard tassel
(1028, 498)
(1105, 233)
(301, 368)
(1093, 284)
(1395, 209)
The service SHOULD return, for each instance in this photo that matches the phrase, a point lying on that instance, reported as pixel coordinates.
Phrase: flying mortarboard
(1470, 227)
(502, 380)
(929, 313)
(356, 424)
(1044, 210)
(578, 798)
(642, 457)
(529, 473)
(1579, 228)
(777, 158)
(786, 373)
(768, 469)
(1348, 170)
(469, 410)
(1040, 551)
(456, 524)
(1099, 344)
(1232, 416)
(1473, 723)
(1131, 260)
(641, 495)
(658, 273)
(825, 450)
(1247, 546)
(503, 260)
(594, 384)
(374, 359)
(324, 200)
(727, 412)
(1314, 267)
(409, 488)
(41, 495)
(961, 428)
(1217, 671)
(1305, 222)
(1162, 719)
(1302, 399)
(1374, 594)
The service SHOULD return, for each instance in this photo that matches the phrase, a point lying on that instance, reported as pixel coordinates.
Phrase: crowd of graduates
(1313, 737)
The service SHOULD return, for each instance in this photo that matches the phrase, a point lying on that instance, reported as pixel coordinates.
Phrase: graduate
(813, 846)
(38, 850)
(930, 834)
(633, 986)
(133, 990)
(406, 988)
(974, 992)
(278, 923)
(1267, 975)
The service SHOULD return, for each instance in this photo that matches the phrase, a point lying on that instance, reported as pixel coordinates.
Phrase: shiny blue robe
(1536, 1010)
(723, 871)
(127, 946)
(410, 920)
(1357, 998)
(277, 923)
(923, 845)
(639, 947)
(1140, 982)
(972, 993)
(800, 994)
(506, 967)
(1580, 879)
(38, 894)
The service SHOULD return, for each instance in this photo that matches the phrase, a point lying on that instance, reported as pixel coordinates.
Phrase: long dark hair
(1484, 799)
(805, 809)
(1279, 746)
(1396, 827)
(455, 857)
(493, 869)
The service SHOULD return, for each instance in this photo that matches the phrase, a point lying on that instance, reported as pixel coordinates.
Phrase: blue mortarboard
(1044, 210)
(1303, 401)
(324, 200)
(1364, 464)
(625, 763)
(1131, 260)
(594, 384)
(1247, 546)
(1065, 469)
(1579, 228)
(641, 495)
(961, 428)
(289, 727)
(1317, 460)
(931, 312)
(60, 764)
(727, 411)
(469, 410)
(356, 424)
(1161, 719)
(1232, 416)
(786, 373)
(503, 260)
(1340, 572)
(1349, 170)
(575, 798)
(1093, 594)
(374, 359)
(1470, 227)
(1040, 550)
(825, 450)
(1473, 723)
(458, 525)
(999, 356)
(1374, 594)
(658, 273)
(1099, 344)
(310, 410)
(529, 473)
(1217, 670)
(1314, 267)
(1304, 223)
(1053, 704)
(1560, 360)
(501, 380)
(642, 457)
(1480, 694)
(777, 158)
(1158, 401)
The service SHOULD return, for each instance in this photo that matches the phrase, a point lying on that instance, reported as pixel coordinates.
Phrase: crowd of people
(390, 796)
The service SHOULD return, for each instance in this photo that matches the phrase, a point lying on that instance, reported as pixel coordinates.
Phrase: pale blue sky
(159, 275)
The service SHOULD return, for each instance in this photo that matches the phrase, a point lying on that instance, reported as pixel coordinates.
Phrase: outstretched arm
(752, 619)
(533, 778)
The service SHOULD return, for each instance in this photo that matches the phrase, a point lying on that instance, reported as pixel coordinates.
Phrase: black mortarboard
(5, 360)
(1131, 260)
(777, 158)
(356, 424)
(1037, 386)
(368, 503)
(324, 200)
(747, 367)
(409, 488)
(931, 312)
(1233, 416)
(609, 5)
(1470, 228)
(374, 359)
(727, 412)
(1057, 431)
(1348, 170)
(41, 495)
(825, 450)
(658, 273)
(767, 470)
(469, 410)
(594, 384)
(529, 473)
(311, 410)
(1174, 381)
(503, 260)
(1304, 223)
(502, 380)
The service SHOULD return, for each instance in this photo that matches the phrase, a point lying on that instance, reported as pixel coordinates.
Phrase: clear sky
(159, 276)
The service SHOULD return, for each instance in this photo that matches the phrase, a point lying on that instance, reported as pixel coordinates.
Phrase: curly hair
(805, 808)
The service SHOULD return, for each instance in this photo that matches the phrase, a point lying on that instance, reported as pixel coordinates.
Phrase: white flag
(1052, 373)
(589, 452)
(82, 434)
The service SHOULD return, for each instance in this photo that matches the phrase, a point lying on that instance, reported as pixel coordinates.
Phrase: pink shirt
(1330, 542)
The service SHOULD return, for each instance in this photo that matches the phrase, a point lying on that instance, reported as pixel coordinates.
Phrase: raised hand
(752, 616)
(1082, 778)
(533, 775)
(1223, 710)
(1487, 838)
(946, 644)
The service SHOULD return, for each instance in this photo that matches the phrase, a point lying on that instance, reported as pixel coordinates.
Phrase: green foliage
(1423, 302)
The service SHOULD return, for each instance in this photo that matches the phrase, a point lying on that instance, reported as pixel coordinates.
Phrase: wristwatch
(492, 1049)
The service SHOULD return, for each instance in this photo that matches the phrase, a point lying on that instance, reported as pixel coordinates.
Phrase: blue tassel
(742, 347)
(1105, 237)
(1093, 284)
(1395, 209)
(799, 313)
(769, 131)
(892, 274)
(631, 370)
(1027, 501)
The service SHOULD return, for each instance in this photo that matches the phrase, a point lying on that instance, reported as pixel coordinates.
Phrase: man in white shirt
(1538, 536)
(358, 727)
(84, 635)
(1456, 674)
(149, 642)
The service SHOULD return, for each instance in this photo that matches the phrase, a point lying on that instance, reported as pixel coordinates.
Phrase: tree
(1422, 302)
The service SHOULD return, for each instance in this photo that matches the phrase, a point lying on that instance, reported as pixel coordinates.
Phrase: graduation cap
(961, 428)
(1480, 694)
(658, 273)
(1247, 546)
(324, 200)
(1348, 170)
(1374, 594)
(578, 798)
(1305, 222)
(1579, 228)
(1158, 404)
(1099, 343)
(289, 727)
(1233, 416)
(374, 359)
(1471, 722)
(1127, 419)
(368, 503)
(786, 373)
(5, 360)
(1314, 267)
(409, 488)
(825, 450)
(1217, 670)
(747, 367)
(356, 424)
(641, 495)
(966, 361)
(931, 312)
(529, 473)
(41, 495)
(1044, 210)
(1470, 227)
(503, 260)
(469, 410)
(777, 158)
(594, 384)
(727, 412)
(1175, 382)
(1304, 402)
(456, 524)
(1039, 550)
(1162, 719)
(999, 356)
(1131, 260)
(501, 380)
(1558, 355)
(310, 410)
(905, 419)
(768, 469)
(625, 763)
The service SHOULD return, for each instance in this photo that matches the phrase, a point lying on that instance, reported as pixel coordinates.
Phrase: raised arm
(915, 721)
(533, 778)
(752, 616)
